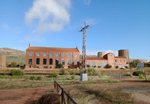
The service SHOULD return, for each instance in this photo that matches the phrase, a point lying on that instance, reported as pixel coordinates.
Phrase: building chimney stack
(76, 47)
(29, 45)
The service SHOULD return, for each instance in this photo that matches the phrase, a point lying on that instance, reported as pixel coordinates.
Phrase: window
(37, 61)
(30, 61)
(99, 65)
(51, 55)
(75, 55)
(93, 65)
(119, 60)
(112, 63)
(57, 54)
(122, 66)
(116, 66)
(123, 61)
(44, 61)
(30, 54)
(75, 61)
(104, 64)
(109, 55)
(44, 54)
(88, 64)
(69, 55)
(63, 55)
(69, 62)
(115, 60)
(51, 61)
(38, 54)
(119, 66)
(63, 61)
(56, 62)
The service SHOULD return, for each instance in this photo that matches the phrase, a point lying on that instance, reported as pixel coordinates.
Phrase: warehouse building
(109, 58)
(49, 57)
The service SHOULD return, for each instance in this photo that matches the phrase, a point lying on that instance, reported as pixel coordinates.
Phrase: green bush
(93, 72)
(102, 73)
(62, 71)
(73, 77)
(59, 66)
(54, 74)
(66, 73)
(39, 78)
(26, 78)
(136, 73)
(108, 66)
(75, 71)
(141, 76)
(16, 72)
(33, 77)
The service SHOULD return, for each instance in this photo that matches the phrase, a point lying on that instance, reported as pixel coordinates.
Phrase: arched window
(93, 65)
(75, 61)
(75, 55)
(56, 61)
(63, 61)
(119, 66)
(57, 54)
(37, 61)
(69, 62)
(99, 65)
(44, 61)
(88, 64)
(30, 61)
(38, 54)
(63, 55)
(44, 54)
(104, 64)
(51, 61)
(69, 55)
(30, 54)
(51, 55)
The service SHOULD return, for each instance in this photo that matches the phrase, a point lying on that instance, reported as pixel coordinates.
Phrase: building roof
(120, 57)
(95, 58)
(52, 49)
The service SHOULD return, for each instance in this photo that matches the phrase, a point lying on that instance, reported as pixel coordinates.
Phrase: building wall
(111, 60)
(2, 62)
(41, 57)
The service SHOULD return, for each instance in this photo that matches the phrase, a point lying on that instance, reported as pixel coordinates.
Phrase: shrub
(66, 73)
(136, 73)
(102, 73)
(116, 67)
(59, 66)
(13, 64)
(141, 76)
(108, 66)
(75, 71)
(33, 77)
(16, 72)
(73, 77)
(39, 78)
(54, 74)
(62, 71)
(26, 78)
(93, 72)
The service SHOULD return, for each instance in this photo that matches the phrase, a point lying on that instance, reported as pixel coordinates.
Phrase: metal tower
(84, 45)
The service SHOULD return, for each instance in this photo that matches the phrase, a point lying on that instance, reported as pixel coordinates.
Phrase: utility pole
(84, 45)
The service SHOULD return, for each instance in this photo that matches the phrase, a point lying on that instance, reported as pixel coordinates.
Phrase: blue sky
(116, 24)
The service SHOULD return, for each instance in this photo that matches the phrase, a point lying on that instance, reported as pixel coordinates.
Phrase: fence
(63, 94)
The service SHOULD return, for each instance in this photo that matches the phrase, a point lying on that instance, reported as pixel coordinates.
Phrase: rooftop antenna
(84, 45)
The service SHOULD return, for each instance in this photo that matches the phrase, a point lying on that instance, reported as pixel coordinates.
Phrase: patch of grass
(33, 77)
(16, 72)
(73, 77)
(113, 96)
(39, 78)
(54, 74)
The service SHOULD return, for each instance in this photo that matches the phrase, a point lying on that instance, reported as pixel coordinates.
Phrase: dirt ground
(140, 91)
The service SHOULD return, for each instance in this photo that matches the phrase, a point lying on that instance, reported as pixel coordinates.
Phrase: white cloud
(95, 52)
(91, 21)
(50, 15)
(87, 2)
(5, 26)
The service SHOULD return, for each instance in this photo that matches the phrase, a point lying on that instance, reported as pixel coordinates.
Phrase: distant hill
(13, 55)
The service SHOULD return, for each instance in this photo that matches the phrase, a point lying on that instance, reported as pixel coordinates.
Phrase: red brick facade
(109, 58)
(40, 57)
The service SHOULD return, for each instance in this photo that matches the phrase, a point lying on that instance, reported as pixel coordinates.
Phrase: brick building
(109, 58)
(2, 62)
(49, 57)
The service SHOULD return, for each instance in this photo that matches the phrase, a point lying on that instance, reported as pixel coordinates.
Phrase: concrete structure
(124, 53)
(109, 58)
(2, 62)
(101, 54)
(49, 57)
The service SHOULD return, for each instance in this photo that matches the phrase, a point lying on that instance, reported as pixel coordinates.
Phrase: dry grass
(110, 96)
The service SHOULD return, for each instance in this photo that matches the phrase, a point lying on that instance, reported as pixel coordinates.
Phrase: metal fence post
(62, 96)
(68, 99)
